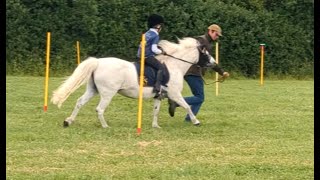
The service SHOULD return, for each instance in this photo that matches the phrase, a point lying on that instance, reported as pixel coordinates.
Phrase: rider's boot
(157, 87)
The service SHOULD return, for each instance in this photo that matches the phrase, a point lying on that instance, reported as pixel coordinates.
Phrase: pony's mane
(171, 47)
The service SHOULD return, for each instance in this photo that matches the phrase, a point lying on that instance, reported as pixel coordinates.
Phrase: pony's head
(187, 49)
(205, 59)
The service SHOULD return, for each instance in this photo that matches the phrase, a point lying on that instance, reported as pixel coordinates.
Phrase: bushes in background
(114, 27)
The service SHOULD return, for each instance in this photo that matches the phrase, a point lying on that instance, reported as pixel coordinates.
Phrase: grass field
(247, 132)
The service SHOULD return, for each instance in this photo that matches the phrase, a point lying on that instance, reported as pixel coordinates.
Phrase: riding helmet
(154, 19)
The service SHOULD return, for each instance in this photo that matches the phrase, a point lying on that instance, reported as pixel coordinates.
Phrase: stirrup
(161, 95)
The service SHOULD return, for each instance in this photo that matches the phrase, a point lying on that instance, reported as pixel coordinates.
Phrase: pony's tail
(80, 75)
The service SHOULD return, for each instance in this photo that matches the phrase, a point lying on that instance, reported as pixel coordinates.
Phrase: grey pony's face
(205, 59)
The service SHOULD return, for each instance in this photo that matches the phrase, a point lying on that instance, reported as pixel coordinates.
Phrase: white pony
(108, 76)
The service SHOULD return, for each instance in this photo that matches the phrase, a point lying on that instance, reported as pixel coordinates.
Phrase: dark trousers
(153, 62)
(196, 85)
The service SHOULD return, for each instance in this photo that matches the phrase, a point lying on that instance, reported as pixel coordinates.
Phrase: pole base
(138, 131)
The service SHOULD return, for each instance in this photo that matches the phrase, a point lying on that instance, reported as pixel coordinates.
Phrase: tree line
(114, 28)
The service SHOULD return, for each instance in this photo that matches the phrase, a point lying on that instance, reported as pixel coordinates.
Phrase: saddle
(150, 75)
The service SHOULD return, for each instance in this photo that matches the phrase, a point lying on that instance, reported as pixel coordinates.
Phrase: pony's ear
(202, 48)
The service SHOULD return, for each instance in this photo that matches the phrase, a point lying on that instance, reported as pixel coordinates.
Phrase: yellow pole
(143, 43)
(78, 52)
(261, 63)
(217, 61)
(47, 72)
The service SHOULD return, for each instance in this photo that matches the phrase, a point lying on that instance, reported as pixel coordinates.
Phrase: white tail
(80, 75)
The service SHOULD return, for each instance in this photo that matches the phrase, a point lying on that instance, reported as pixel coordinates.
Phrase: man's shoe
(172, 107)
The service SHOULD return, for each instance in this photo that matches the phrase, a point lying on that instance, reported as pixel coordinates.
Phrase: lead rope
(221, 79)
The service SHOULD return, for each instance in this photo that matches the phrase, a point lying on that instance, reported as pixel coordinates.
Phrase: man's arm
(219, 70)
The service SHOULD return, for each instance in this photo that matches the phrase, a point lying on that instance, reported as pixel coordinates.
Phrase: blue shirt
(152, 37)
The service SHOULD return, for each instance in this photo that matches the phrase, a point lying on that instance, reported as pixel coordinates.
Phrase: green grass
(248, 132)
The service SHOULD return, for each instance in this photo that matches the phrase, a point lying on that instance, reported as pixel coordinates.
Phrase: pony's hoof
(65, 124)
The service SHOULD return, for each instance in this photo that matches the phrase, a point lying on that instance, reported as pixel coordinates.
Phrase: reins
(221, 80)
(180, 59)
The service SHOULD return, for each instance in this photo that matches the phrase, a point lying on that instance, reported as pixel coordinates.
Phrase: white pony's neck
(186, 50)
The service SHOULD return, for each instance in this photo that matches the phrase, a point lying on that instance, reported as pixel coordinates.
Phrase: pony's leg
(156, 109)
(180, 100)
(80, 102)
(104, 102)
